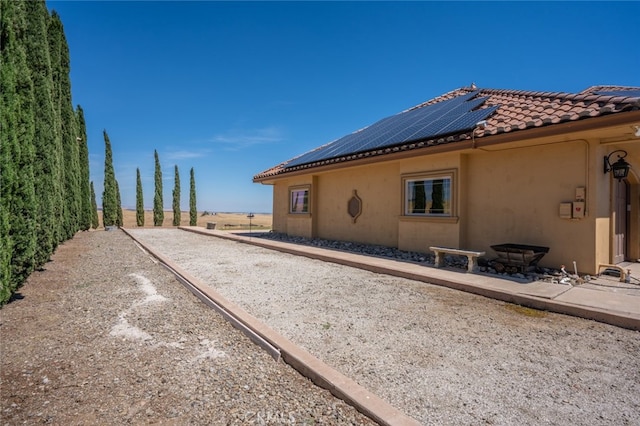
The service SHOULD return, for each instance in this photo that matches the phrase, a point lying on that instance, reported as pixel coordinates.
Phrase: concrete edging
(306, 364)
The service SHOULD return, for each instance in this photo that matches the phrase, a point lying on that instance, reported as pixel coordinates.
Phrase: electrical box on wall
(575, 209)
(565, 210)
(578, 210)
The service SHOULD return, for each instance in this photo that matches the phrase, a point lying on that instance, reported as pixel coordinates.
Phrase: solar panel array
(635, 93)
(443, 118)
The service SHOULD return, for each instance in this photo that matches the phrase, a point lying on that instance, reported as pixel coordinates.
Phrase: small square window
(431, 195)
(299, 200)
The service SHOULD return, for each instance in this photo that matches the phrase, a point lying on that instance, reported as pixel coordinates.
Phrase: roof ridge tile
(608, 88)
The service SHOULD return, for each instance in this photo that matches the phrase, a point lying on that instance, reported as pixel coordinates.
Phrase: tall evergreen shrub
(18, 190)
(119, 219)
(36, 116)
(13, 71)
(193, 211)
(109, 195)
(176, 199)
(66, 129)
(139, 200)
(158, 212)
(60, 198)
(94, 208)
(83, 175)
(47, 168)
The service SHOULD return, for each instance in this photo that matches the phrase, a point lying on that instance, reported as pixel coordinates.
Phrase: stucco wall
(502, 196)
(280, 203)
(513, 195)
(503, 193)
(377, 187)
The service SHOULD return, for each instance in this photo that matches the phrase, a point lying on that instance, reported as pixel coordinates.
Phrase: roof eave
(396, 153)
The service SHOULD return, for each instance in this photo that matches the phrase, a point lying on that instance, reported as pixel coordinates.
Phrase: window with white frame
(299, 200)
(428, 195)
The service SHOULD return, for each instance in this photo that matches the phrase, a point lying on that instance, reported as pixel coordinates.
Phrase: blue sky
(234, 88)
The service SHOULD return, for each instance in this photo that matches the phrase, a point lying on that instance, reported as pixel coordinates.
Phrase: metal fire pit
(517, 257)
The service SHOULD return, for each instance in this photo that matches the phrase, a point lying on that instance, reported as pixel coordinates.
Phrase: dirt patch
(104, 335)
(526, 311)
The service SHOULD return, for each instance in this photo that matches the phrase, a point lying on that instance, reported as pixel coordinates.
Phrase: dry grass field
(224, 221)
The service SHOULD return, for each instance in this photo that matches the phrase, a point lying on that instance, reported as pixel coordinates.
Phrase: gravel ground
(441, 356)
(106, 336)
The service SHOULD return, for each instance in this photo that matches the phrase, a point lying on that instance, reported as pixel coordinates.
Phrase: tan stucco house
(474, 168)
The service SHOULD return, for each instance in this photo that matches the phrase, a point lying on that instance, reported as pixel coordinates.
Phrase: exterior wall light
(620, 168)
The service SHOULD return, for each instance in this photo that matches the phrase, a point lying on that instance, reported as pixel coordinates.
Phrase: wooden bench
(472, 265)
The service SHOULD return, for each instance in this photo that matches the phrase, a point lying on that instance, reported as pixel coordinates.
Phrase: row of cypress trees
(45, 195)
(158, 211)
(112, 207)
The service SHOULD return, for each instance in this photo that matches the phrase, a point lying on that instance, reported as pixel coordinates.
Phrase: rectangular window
(428, 195)
(299, 200)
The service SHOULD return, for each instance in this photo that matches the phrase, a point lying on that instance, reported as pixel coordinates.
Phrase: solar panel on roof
(634, 93)
(443, 118)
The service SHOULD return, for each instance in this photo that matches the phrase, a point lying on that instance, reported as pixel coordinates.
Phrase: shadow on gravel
(15, 296)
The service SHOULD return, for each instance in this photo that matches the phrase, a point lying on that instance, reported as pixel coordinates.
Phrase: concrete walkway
(604, 299)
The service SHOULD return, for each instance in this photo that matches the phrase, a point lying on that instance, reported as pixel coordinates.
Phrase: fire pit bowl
(517, 257)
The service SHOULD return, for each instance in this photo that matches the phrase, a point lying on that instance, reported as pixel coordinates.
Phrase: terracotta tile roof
(517, 110)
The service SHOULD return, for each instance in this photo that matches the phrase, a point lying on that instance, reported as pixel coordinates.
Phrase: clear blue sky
(234, 88)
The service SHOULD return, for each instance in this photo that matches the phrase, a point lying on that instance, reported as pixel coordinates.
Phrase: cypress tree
(94, 208)
(12, 72)
(47, 145)
(7, 143)
(18, 121)
(158, 212)
(177, 214)
(85, 191)
(7, 177)
(66, 132)
(193, 211)
(109, 195)
(7, 174)
(31, 151)
(139, 200)
(119, 221)
(61, 218)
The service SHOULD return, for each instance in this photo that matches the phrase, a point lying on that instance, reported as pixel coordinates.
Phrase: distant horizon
(133, 209)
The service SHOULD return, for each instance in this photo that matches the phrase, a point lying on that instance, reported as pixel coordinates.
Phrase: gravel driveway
(439, 355)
